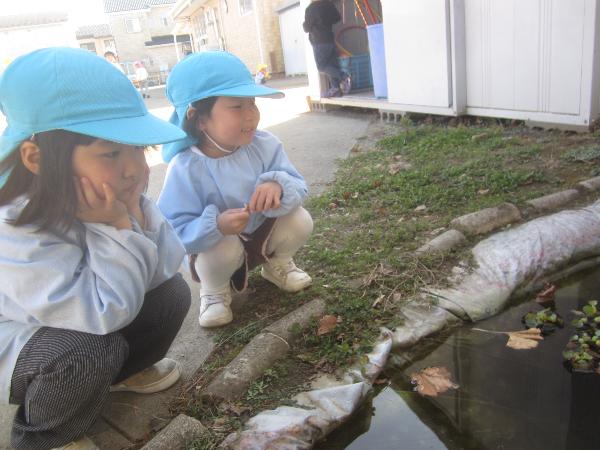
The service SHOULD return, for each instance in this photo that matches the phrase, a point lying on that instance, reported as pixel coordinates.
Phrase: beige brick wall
(240, 36)
(271, 35)
(131, 46)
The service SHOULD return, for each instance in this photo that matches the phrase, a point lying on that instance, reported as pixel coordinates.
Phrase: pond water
(508, 399)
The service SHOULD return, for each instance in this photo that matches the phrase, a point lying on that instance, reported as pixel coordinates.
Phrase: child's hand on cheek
(266, 196)
(107, 210)
(133, 200)
(233, 221)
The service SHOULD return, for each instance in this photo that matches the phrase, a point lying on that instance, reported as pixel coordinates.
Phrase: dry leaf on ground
(524, 339)
(327, 324)
(377, 301)
(432, 381)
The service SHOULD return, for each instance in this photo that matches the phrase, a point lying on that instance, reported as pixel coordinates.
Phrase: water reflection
(507, 399)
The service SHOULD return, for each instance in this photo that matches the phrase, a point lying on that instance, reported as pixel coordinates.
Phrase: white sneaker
(215, 309)
(286, 276)
(155, 378)
(84, 443)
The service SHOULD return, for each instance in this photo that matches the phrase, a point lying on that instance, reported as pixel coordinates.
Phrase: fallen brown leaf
(521, 339)
(421, 208)
(483, 191)
(396, 167)
(432, 381)
(326, 324)
(547, 294)
(524, 339)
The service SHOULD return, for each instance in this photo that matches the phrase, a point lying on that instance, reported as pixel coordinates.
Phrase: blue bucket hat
(207, 74)
(74, 90)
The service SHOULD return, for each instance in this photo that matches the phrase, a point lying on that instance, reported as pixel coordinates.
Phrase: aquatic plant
(582, 352)
(546, 320)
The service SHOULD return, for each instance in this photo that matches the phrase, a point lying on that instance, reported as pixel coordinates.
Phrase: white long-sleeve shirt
(198, 188)
(92, 278)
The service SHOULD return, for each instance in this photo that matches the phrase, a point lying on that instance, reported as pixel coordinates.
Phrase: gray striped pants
(62, 377)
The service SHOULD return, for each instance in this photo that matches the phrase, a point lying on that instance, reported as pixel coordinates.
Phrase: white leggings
(216, 265)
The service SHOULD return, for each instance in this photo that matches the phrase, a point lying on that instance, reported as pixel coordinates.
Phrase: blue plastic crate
(359, 68)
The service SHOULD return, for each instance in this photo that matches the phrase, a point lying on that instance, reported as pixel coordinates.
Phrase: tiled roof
(33, 19)
(112, 6)
(93, 31)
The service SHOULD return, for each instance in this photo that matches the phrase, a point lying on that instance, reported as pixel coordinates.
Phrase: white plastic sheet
(521, 256)
(321, 410)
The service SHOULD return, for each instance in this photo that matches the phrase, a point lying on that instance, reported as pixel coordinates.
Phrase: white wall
(18, 41)
(525, 55)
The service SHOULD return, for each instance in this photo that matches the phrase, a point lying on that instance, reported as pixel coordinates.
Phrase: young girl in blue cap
(90, 298)
(231, 193)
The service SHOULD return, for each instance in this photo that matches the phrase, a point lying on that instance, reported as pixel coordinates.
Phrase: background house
(96, 38)
(23, 33)
(142, 32)
(248, 28)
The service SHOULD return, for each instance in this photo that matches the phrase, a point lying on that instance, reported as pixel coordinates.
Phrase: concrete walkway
(313, 141)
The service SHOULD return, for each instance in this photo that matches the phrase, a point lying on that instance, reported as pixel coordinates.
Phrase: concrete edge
(487, 219)
(261, 352)
(177, 434)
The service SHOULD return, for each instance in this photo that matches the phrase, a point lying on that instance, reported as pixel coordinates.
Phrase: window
(246, 6)
(164, 21)
(109, 44)
(88, 46)
(132, 25)
(199, 26)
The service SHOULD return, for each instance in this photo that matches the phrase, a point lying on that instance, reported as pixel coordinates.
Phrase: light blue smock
(198, 188)
(91, 278)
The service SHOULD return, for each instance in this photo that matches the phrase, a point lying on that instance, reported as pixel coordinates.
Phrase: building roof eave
(186, 8)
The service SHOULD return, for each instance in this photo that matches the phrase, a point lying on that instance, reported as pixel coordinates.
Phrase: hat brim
(139, 130)
(249, 90)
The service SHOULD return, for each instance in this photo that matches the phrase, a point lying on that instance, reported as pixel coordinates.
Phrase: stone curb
(553, 201)
(591, 185)
(261, 352)
(182, 430)
(486, 220)
(257, 356)
(445, 241)
(489, 219)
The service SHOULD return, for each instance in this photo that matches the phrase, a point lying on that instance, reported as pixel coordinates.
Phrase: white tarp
(521, 256)
(320, 410)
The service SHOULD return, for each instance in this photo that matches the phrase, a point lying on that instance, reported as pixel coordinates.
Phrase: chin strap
(224, 150)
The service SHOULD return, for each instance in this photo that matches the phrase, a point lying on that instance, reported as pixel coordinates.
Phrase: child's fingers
(252, 203)
(276, 201)
(88, 191)
(109, 194)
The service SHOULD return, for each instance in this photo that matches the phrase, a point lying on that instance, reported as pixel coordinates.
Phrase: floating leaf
(432, 381)
(547, 294)
(327, 324)
(524, 339)
(519, 340)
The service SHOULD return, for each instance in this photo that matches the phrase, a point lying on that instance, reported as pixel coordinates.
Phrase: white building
(534, 60)
(23, 33)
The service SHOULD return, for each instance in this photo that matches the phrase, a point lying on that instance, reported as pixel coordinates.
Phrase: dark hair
(52, 196)
(202, 108)
(108, 52)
